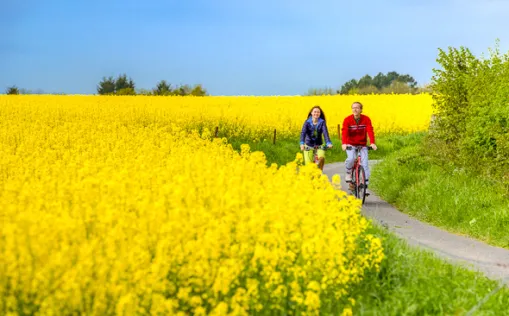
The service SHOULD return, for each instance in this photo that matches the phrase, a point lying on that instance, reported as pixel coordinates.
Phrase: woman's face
(315, 113)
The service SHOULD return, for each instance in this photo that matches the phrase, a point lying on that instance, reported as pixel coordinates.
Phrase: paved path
(493, 261)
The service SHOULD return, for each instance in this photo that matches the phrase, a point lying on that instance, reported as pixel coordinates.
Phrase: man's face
(356, 109)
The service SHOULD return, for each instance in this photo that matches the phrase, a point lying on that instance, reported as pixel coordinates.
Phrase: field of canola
(110, 205)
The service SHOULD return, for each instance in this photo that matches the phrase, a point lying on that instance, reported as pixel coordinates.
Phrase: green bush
(470, 97)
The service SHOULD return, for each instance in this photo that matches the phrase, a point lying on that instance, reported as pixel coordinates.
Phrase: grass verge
(443, 196)
(416, 282)
(285, 150)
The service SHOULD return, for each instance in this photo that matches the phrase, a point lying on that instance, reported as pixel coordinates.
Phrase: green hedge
(471, 100)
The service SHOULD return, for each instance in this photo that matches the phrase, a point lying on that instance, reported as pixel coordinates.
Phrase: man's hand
(373, 146)
(343, 147)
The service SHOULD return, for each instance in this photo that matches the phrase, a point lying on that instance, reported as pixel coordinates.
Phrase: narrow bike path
(476, 255)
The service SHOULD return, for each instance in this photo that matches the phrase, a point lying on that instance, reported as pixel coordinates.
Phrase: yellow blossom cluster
(115, 208)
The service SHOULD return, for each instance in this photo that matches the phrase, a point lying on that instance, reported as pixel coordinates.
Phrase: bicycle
(320, 162)
(358, 184)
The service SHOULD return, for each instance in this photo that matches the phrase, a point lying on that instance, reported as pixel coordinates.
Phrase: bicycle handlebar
(350, 147)
(324, 147)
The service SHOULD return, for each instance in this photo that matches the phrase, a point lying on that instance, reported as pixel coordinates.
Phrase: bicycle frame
(358, 174)
(316, 160)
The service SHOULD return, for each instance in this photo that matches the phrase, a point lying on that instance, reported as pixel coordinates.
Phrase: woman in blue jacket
(311, 135)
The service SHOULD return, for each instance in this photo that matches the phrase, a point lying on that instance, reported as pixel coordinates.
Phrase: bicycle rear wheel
(360, 185)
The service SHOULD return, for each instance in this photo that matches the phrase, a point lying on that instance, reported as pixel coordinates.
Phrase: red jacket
(355, 134)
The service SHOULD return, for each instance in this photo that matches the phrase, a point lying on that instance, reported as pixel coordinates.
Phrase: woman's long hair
(322, 115)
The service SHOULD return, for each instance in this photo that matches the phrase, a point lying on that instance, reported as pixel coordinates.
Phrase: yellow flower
(142, 208)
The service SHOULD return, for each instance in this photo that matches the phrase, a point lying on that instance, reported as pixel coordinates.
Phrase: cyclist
(313, 129)
(355, 129)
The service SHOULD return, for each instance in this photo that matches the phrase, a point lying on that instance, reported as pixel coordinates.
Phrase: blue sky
(264, 47)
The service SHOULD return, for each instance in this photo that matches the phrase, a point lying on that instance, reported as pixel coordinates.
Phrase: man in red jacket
(356, 128)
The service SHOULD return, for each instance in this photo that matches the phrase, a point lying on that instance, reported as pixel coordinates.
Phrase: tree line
(15, 90)
(122, 85)
(391, 82)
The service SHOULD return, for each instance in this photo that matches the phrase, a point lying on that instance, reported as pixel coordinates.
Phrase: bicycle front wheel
(360, 185)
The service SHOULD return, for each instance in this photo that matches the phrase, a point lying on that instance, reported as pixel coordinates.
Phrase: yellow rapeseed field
(253, 118)
(111, 205)
(249, 118)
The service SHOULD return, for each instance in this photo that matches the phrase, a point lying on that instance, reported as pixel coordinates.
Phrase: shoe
(348, 177)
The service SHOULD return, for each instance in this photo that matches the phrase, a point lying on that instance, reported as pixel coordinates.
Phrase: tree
(123, 83)
(352, 84)
(380, 84)
(371, 89)
(398, 87)
(198, 91)
(12, 90)
(126, 91)
(106, 86)
(183, 90)
(120, 86)
(321, 91)
(162, 88)
(379, 80)
(365, 81)
(407, 79)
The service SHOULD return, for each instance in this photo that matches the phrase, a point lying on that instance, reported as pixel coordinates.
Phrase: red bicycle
(358, 184)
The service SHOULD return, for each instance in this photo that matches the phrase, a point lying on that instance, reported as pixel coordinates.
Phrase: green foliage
(447, 196)
(198, 91)
(470, 98)
(16, 90)
(392, 82)
(162, 88)
(122, 84)
(321, 91)
(106, 86)
(125, 86)
(126, 91)
(12, 90)
(119, 86)
(417, 282)
(348, 87)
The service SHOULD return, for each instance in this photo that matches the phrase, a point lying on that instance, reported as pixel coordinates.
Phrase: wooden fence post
(215, 134)
(339, 132)
(274, 140)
